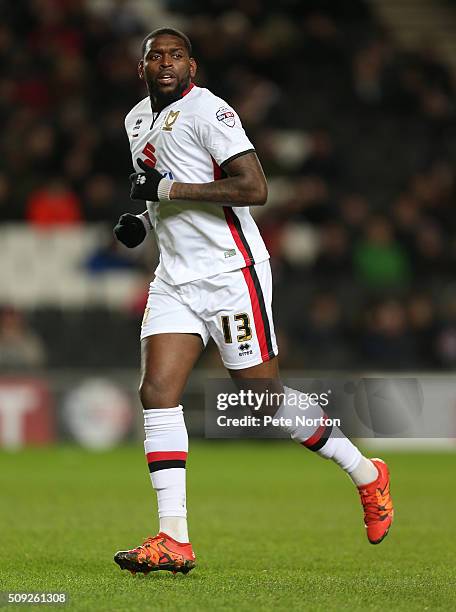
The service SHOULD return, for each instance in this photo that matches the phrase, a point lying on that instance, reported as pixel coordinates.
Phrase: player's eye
(177, 55)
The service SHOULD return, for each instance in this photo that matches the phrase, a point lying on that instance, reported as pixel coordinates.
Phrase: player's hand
(130, 230)
(144, 185)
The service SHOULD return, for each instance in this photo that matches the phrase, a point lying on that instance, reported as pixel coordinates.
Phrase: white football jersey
(189, 141)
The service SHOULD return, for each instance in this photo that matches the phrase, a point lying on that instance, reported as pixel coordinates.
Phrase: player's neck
(158, 104)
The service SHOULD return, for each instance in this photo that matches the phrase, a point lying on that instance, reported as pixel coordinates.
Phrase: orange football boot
(377, 504)
(158, 553)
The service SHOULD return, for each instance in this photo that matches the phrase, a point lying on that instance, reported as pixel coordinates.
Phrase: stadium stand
(356, 134)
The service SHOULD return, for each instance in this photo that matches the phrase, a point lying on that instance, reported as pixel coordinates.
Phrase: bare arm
(245, 185)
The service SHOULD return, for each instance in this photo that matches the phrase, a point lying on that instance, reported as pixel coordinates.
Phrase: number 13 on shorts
(244, 329)
(247, 335)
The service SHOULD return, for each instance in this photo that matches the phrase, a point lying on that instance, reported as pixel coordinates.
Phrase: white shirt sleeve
(220, 132)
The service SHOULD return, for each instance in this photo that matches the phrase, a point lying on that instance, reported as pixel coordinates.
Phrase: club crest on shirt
(170, 120)
(226, 115)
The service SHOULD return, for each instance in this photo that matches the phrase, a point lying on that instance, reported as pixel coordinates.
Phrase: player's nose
(167, 61)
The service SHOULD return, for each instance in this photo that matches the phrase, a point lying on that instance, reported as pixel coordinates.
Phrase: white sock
(364, 473)
(174, 526)
(328, 442)
(166, 447)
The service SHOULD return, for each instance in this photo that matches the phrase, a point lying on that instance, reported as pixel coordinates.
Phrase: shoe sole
(136, 567)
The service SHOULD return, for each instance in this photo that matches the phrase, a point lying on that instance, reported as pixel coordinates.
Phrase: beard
(162, 98)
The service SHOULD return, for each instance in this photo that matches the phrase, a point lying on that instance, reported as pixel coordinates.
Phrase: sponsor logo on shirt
(226, 115)
(149, 152)
(230, 253)
(136, 127)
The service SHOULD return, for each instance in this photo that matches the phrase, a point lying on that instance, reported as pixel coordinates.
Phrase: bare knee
(158, 392)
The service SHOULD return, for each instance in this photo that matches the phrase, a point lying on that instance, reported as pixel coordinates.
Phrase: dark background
(356, 134)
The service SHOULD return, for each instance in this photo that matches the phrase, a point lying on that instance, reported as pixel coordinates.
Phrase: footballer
(198, 173)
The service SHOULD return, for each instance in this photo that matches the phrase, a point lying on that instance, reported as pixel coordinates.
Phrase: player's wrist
(164, 189)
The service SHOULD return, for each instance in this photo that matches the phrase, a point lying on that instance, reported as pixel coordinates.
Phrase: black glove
(130, 230)
(144, 185)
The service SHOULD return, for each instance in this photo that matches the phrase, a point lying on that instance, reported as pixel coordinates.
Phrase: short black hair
(171, 32)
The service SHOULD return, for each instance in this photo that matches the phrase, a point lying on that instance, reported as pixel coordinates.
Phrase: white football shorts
(233, 307)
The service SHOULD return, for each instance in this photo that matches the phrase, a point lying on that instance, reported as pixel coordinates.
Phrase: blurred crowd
(356, 136)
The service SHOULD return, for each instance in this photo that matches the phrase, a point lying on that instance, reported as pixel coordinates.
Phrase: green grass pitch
(273, 527)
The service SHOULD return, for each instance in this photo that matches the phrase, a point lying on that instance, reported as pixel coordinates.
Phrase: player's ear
(193, 67)
(141, 69)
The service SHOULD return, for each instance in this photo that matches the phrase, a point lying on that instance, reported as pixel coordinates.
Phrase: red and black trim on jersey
(188, 89)
(231, 217)
(164, 460)
(319, 438)
(238, 235)
(260, 314)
